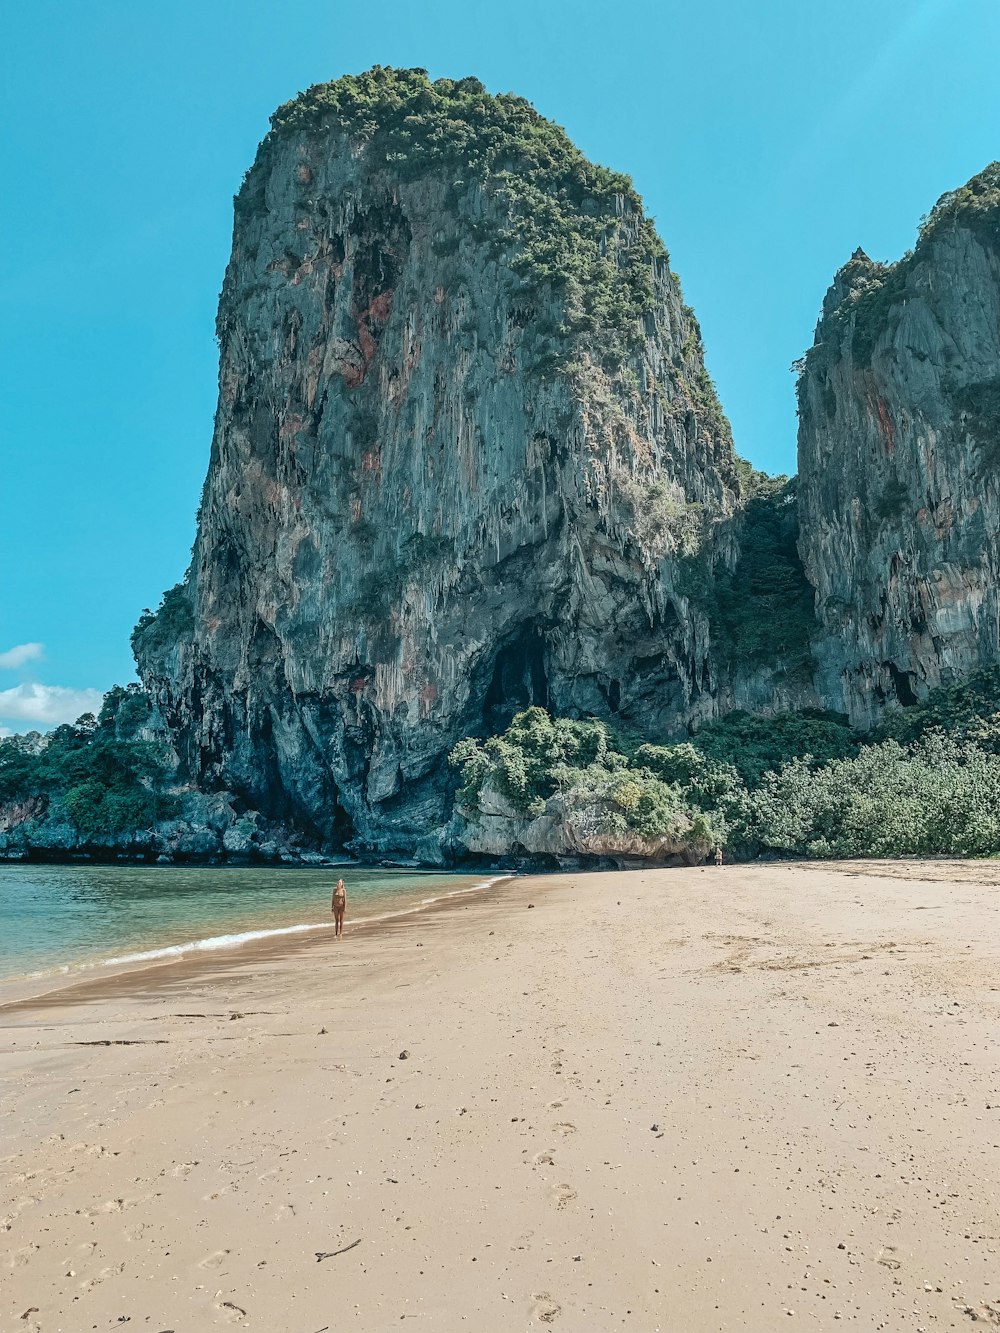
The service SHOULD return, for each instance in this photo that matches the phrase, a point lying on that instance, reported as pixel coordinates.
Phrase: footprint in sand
(555, 1106)
(101, 1209)
(564, 1194)
(285, 1210)
(887, 1257)
(546, 1310)
(546, 1158)
(229, 1309)
(183, 1169)
(213, 1260)
(22, 1256)
(113, 1270)
(564, 1128)
(230, 1188)
(26, 1201)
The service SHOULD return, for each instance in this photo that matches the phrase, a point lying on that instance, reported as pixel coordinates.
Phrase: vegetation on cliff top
(99, 772)
(564, 214)
(872, 290)
(975, 204)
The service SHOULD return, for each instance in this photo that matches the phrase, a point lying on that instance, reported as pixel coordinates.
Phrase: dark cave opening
(519, 680)
(903, 684)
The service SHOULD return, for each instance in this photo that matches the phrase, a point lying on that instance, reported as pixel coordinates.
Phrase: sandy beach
(753, 1098)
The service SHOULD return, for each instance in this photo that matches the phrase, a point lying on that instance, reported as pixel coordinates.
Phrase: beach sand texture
(753, 1098)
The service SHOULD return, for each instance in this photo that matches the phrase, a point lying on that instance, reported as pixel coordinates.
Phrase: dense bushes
(937, 796)
(969, 711)
(104, 774)
(579, 771)
(796, 784)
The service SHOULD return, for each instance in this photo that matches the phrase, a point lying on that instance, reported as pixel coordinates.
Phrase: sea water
(63, 919)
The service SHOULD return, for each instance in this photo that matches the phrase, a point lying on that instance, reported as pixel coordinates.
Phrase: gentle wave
(213, 942)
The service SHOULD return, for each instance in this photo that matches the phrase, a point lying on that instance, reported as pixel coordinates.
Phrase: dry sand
(751, 1098)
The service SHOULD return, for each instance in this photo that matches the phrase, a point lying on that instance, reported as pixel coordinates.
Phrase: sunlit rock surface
(899, 445)
(436, 492)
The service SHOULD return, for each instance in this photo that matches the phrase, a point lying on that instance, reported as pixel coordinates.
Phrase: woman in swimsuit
(338, 907)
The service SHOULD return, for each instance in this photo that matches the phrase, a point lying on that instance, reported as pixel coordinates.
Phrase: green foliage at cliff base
(540, 758)
(106, 778)
(795, 784)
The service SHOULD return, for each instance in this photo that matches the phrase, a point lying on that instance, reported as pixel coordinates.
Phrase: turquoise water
(58, 919)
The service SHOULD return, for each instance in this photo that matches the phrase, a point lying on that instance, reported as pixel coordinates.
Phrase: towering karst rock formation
(899, 445)
(467, 457)
(465, 445)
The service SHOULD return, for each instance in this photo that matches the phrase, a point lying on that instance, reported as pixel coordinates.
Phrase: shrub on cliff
(171, 623)
(764, 609)
(535, 757)
(975, 204)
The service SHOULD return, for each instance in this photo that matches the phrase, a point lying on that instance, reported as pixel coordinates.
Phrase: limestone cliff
(899, 440)
(465, 444)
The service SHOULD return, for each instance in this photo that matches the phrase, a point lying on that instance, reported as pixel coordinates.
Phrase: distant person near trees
(339, 907)
(718, 856)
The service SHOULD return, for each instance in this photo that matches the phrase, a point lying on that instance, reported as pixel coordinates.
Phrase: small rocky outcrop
(205, 828)
(899, 445)
(566, 832)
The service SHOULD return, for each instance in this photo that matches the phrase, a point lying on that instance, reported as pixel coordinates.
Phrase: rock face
(467, 458)
(465, 441)
(207, 827)
(899, 443)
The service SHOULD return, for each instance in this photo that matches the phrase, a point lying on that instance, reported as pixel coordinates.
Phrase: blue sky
(768, 140)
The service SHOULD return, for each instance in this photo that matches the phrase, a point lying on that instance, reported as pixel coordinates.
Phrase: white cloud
(48, 704)
(21, 653)
(5, 731)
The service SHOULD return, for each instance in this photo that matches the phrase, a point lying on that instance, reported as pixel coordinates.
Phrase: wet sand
(748, 1098)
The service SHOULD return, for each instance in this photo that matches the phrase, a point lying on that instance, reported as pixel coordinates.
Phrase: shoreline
(706, 1099)
(21, 989)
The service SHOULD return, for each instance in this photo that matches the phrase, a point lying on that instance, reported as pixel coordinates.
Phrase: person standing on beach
(338, 907)
(718, 856)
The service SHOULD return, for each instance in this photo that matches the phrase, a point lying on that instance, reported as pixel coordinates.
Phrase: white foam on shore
(208, 944)
(214, 942)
